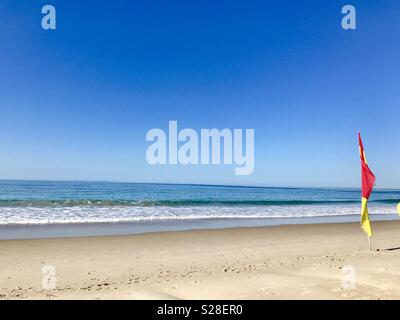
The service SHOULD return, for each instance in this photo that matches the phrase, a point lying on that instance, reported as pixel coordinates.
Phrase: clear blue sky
(76, 102)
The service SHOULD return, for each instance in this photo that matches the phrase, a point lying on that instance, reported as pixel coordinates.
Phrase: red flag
(367, 184)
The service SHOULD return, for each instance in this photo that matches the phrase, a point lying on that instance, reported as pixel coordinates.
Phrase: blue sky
(76, 102)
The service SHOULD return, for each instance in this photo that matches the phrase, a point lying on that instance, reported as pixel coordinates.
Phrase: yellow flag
(398, 208)
(365, 222)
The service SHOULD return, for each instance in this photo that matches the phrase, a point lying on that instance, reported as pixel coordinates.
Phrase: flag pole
(369, 243)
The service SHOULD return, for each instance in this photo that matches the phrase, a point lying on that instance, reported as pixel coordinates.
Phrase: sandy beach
(284, 262)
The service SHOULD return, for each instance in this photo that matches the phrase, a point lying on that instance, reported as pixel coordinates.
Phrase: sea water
(52, 208)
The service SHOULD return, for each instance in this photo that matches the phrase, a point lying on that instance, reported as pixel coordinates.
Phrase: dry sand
(285, 262)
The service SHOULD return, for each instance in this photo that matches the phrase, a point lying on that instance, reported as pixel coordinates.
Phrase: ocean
(30, 209)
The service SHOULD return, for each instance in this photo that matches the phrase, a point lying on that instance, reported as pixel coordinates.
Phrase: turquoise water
(27, 204)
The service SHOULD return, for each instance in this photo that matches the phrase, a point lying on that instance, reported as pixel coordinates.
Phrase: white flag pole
(369, 243)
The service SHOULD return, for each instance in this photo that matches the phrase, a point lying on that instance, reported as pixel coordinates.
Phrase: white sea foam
(114, 214)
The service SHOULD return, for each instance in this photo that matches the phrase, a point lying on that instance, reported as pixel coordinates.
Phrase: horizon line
(193, 184)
